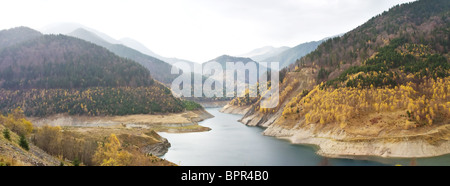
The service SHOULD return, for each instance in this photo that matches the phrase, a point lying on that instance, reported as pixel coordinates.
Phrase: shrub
(191, 105)
(6, 134)
(24, 143)
(76, 162)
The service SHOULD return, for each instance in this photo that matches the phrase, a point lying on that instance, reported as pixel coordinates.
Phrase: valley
(62, 99)
(378, 94)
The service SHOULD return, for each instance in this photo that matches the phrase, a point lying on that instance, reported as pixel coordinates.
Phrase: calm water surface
(230, 143)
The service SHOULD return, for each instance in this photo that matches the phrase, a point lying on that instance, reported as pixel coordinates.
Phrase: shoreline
(232, 109)
(140, 129)
(336, 143)
(333, 145)
(173, 122)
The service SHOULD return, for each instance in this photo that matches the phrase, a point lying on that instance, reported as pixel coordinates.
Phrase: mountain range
(67, 28)
(159, 70)
(158, 66)
(260, 54)
(291, 55)
(50, 74)
(284, 55)
(135, 50)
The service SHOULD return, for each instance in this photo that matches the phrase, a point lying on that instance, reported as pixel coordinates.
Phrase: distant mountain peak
(81, 30)
(21, 29)
(70, 28)
(129, 42)
(290, 55)
(262, 53)
(66, 28)
(263, 50)
(61, 28)
(87, 35)
(228, 58)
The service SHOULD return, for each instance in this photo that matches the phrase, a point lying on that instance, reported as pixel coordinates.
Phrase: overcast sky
(200, 30)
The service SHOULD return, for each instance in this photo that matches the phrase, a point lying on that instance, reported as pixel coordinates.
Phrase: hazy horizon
(201, 30)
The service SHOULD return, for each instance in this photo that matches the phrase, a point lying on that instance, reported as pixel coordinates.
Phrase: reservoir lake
(231, 143)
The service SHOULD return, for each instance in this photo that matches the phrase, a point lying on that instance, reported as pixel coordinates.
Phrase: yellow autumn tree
(17, 122)
(426, 102)
(111, 153)
(322, 121)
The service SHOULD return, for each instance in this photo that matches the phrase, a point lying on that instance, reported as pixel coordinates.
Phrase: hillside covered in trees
(397, 61)
(17, 35)
(50, 74)
(23, 144)
(387, 77)
(65, 62)
(421, 22)
(159, 70)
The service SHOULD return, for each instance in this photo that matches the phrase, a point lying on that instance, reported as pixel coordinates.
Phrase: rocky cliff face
(253, 117)
(155, 144)
(158, 149)
(233, 109)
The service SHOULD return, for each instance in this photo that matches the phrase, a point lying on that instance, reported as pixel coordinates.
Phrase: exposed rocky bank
(377, 134)
(339, 143)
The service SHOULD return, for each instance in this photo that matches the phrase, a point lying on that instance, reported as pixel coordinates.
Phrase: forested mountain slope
(402, 52)
(159, 70)
(53, 74)
(17, 35)
(386, 79)
(421, 22)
